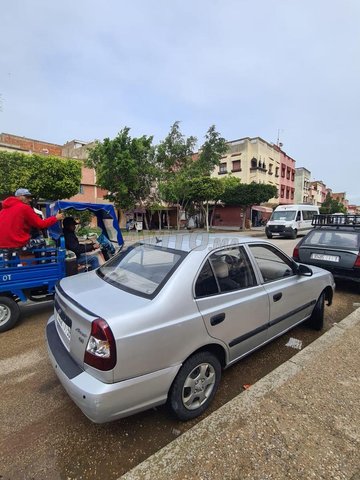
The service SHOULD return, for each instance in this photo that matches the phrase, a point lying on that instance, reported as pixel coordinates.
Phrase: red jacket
(16, 220)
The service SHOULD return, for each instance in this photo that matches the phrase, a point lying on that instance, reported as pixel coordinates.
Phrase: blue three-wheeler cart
(31, 274)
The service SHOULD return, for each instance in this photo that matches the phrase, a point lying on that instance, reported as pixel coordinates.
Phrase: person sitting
(17, 218)
(72, 243)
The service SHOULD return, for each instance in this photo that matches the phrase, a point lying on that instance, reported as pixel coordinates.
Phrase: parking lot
(45, 436)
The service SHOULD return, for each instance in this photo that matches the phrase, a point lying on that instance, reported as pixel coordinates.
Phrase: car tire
(195, 386)
(316, 321)
(294, 233)
(269, 235)
(9, 313)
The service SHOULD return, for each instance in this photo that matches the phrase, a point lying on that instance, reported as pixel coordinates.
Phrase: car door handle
(277, 297)
(216, 319)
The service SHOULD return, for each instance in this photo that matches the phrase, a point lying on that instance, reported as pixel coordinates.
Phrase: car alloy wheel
(195, 385)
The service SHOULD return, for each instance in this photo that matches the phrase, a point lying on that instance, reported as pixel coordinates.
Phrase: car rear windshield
(141, 269)
(333, 238)
(285, 215)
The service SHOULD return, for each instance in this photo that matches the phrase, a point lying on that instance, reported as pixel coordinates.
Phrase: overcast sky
(85, 69)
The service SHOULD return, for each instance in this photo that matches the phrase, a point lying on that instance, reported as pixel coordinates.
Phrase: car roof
(196, 241)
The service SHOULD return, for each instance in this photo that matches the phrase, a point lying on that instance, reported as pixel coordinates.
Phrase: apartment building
(88, 190)
(318, 192)
(252, 160)
(341, 198)
(302, 185)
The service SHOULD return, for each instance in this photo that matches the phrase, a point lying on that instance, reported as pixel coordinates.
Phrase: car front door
(291, 298)
(235, 308)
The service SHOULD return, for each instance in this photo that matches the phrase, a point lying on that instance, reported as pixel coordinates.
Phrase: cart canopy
(104, 212)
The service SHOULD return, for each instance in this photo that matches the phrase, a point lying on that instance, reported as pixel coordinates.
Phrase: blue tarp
(104, 212)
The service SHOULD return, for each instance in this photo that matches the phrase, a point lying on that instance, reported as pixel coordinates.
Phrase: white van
(289, 220)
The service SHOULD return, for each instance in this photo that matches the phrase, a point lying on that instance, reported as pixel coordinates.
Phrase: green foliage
(205, 189)
(330, 205)
(211, 152)
(125, 167)
(47, 177)
(175, 152)
(244, 195)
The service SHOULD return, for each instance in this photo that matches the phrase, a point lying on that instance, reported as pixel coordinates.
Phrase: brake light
(101, 348)
(357, 262)
(296, 254)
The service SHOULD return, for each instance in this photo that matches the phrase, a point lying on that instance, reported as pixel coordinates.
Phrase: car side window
(206, 284)
(272, 264)
(232, 268)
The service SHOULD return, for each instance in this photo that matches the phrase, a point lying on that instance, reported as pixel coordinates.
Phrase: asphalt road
(43, 435)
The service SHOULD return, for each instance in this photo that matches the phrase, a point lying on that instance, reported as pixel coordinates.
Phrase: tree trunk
(159, 217)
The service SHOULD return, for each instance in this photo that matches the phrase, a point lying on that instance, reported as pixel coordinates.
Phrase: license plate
(328, 258)
(65, 328)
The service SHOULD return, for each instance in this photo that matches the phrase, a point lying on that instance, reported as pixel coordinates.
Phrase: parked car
(333, 244)
(160, 320)
(289, 220)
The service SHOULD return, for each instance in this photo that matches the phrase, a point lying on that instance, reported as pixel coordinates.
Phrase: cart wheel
(9, 313)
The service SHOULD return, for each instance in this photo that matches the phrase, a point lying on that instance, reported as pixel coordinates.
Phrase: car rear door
(291, 297)
(235, 309)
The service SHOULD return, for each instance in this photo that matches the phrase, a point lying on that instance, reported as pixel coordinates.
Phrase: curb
(161, 464)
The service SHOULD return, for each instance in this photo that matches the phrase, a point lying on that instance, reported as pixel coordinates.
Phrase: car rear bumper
(104, 402)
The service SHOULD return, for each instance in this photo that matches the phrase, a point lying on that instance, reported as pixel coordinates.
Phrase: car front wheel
(195, 385)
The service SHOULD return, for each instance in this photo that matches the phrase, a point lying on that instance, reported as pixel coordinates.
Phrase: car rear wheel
(9, 313)
(316, 321)
(195, 385)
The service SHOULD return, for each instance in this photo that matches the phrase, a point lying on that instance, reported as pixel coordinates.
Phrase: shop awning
(259, 208)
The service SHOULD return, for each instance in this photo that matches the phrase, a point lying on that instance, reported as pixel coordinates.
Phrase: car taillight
(357, 262)
(101, 348)
(296, 254)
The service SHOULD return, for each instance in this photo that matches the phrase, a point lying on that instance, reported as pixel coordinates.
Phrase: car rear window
(334, 238)
(141, 269)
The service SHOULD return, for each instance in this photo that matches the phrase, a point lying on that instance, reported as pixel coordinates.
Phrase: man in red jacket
(17, 217)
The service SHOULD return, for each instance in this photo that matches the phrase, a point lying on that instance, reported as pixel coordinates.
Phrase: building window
(276, 171)
(283, 172)
(81, 189)
(270, 169)
(222, 168)
(282, 192)
(236, 166)
(253, 163)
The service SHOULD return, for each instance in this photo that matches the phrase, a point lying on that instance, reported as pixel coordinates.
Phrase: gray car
(159, 321)
(333, 244)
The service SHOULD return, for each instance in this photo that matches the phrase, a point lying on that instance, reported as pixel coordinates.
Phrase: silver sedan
(159, 321)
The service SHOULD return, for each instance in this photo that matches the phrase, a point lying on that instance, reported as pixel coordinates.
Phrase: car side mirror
(304, 270)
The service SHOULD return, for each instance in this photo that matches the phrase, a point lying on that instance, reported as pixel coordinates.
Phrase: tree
(178, 166)
(174, 159)
(211, 152)
(331, 205)
(47, 177)
(125, 167)
(245, 195)
(204, 190)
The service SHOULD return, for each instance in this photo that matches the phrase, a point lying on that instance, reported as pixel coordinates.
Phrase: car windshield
(141, 268)
(285, 215)
(333, 238)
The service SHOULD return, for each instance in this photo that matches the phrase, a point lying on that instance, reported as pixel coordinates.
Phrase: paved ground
(302, 421)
